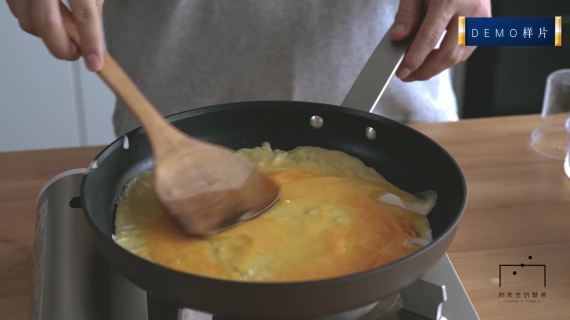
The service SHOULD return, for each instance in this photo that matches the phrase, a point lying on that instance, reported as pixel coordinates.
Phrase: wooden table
(518, 206)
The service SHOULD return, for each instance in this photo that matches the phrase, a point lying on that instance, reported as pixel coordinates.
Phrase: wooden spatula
(205, 187)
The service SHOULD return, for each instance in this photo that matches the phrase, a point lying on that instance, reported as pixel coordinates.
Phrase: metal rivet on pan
(370, 133)
(125, 142)
(316, 122)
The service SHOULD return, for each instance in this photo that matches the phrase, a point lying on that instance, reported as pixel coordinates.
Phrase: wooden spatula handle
(118, 80)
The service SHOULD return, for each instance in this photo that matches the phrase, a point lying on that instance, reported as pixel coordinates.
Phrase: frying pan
(405, 157)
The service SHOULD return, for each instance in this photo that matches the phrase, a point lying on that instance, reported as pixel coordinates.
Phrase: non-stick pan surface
(405, 157)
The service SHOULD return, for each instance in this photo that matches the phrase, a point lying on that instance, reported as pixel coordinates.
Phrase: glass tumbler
(550, 137)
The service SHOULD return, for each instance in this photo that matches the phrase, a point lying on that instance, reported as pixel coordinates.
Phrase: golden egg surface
(329, 221)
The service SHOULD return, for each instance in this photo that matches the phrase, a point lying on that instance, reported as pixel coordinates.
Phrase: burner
(188, 314)
(421, 301)
(73, 281)
(374, 311)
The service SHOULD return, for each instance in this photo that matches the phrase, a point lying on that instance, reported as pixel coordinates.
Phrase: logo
(522, 282)
(519, 31)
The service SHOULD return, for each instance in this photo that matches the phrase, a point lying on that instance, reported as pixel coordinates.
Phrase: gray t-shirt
(189, 53)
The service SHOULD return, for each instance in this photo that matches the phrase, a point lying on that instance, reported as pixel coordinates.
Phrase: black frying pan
(404, 156)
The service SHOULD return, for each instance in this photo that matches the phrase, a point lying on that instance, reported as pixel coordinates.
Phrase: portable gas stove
(72, 280)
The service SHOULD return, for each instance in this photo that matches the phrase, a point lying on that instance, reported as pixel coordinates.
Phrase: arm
(42, 18)
(430, 18)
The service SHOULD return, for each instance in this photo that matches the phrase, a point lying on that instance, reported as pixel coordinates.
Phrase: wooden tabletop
(518, 206)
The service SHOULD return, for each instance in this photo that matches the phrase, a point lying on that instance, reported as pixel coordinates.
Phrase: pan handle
(372, 81)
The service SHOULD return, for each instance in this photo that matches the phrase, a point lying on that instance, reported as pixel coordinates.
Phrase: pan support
(424, 300)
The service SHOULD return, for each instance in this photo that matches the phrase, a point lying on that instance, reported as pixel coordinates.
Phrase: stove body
(72, 280)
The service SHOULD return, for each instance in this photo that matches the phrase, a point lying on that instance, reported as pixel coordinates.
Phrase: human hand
(421, 61)
(42, 18)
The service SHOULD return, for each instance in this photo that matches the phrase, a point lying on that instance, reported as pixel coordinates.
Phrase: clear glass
(550, 138)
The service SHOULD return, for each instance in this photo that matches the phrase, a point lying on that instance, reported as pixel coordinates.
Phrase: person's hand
(42, 18)
(430, 18)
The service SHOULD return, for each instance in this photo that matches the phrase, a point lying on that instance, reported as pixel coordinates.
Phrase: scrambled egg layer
(329, 221)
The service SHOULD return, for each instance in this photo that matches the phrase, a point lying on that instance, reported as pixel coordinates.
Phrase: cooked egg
(336, 216)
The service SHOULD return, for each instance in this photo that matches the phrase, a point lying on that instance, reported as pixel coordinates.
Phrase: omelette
(335, 216)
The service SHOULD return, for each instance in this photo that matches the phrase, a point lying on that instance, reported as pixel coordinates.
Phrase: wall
(44, 102)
